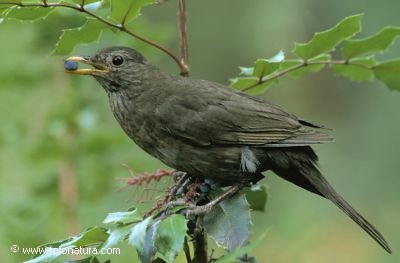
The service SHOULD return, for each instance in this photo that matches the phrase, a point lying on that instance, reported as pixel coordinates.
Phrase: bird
(209, 130)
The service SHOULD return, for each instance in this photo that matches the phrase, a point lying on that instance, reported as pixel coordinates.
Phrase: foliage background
(56, 126)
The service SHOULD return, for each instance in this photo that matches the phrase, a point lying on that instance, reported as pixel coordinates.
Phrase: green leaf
(256, 196)
(239, 252)
(245, 82)
(28, 13)
(117, 235)
(244, 71)
(169, 237)
(360, 69)
(47, 256)
(123, 217)
(88, 33)
(128, 9)
(149, 250)
(229, 222)
(389, 73)
(376, 43)
(327, 40)
(138, 235)
(264, 67)
(93, 236)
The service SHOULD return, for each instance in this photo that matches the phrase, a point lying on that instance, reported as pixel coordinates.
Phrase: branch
(204, 209)
(301, 65)
(200, 242)
(121, 27)
(184, 47)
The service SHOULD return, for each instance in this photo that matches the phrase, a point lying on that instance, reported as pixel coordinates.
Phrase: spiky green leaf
(376, 43)
(229, 222)
(70, 38)
(256, 196)
(327, 40)
(28, 13)
(359, 69)
(240, 251)
(123, 217)
(169, 237)
(127, 10)
(389, 73)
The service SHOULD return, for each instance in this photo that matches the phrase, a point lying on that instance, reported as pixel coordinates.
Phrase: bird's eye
(117, 60)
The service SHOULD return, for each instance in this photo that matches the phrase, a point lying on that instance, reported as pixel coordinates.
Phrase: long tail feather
(299, 166)
(322, 185)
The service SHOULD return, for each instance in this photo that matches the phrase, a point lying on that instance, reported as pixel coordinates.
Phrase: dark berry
(71, 65)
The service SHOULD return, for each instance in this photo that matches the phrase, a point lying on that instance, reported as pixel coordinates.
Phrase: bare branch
(184, 47)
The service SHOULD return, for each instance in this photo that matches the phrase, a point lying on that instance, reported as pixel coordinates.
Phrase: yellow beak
(99, 69)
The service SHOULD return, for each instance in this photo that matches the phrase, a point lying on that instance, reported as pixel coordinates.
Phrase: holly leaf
(70, 38)
(256, 196)
(169, 237)
(246, 71)
(240, 251)
(117, 235)
(253, 82)
(127, 10)
(264, 67)
(28, 13)
(360, 69)
(229, 222)
(327, 40)
(123, 217)
(389, 73)
(92, 236)
(149, 250)
(243, 82)
(376, 43)
(138, 235)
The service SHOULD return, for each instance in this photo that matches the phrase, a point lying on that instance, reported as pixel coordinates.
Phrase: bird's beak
(98, 69)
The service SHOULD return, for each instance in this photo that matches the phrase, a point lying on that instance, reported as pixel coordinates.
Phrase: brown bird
(209, 130)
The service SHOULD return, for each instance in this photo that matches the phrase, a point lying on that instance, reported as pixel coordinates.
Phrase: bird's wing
(206, 113)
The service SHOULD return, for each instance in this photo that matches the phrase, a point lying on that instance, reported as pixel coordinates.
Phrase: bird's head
(113, 67)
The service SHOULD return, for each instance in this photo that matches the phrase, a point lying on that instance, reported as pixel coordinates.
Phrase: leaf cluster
(357, 60)
(161, 237)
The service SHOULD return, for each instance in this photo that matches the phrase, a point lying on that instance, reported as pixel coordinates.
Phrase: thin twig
(120, 27)
(184, 46)
(301, 65)
(201, 210)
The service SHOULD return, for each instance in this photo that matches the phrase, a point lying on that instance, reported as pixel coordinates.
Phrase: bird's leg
(204, 209)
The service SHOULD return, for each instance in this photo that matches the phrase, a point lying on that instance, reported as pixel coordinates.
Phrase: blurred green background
(61, 149)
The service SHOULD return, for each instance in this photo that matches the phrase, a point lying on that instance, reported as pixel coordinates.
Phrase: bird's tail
(303, 171)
